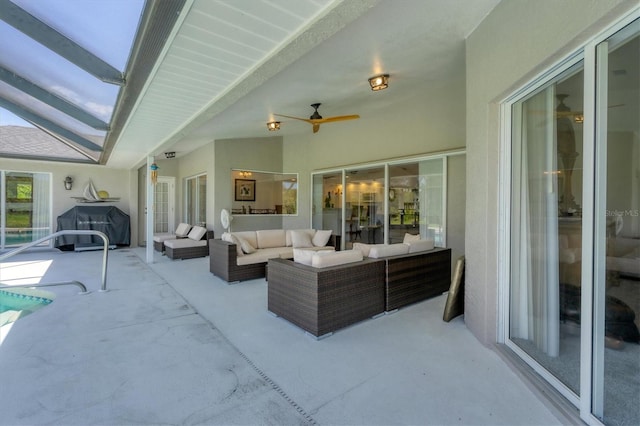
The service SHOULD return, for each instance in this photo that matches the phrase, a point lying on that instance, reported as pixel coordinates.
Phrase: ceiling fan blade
(339, 118)
(295, 118)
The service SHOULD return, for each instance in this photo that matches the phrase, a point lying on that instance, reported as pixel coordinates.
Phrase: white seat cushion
(269, 238)
(305, 255)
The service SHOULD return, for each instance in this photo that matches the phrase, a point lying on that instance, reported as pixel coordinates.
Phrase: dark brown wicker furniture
(190, 252)
(223, 262)
(323, 300)
(411, 278)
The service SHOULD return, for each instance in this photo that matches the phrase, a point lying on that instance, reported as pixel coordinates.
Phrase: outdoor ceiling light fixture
(273, 126)
(171, 154)
(68, 182)
(379, 82)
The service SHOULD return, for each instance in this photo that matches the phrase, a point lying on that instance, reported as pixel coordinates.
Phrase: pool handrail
(74, 282)
(102, 235)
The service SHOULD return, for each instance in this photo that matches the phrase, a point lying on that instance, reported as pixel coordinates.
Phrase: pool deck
(169, 343)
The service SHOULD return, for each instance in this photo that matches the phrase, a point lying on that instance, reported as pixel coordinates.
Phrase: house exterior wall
(429, 121)
(118, 182)
(515, 42)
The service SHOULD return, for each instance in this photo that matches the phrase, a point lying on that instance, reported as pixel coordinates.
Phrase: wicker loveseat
(323, 300)
(240, 256)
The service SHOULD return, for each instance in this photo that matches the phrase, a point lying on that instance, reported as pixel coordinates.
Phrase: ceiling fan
(316, 119)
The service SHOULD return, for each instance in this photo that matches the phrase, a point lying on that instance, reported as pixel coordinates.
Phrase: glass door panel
(327, 203)
(546, 226)
(364, 206)
(617, 290)
(27, 207)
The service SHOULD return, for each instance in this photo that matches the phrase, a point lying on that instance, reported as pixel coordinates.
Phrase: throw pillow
(300, 239)
(246, 247)
(363, 247)
(321, 238)
(410, 237)
(233, 240)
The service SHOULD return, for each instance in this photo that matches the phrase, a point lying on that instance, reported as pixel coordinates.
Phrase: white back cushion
(321, 238)
(250, 236)
(363, 247)
(420, 245)
(383, 250)
(288, 232)
(301, 239)
(324, 259)
(410, 237)
(270, 238)
(196, 233)
(183, 230)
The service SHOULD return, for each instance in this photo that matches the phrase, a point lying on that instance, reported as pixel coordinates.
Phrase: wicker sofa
(321, 300)
(240, 256)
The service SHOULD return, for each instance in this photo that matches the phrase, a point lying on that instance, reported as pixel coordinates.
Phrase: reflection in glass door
(617, 279)
(546, 227)
(364, 206)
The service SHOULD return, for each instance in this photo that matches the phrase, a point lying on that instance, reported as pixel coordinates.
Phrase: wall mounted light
(68, 183)
(245, 174)
(273, 126)
(170, 154)
(379, 82)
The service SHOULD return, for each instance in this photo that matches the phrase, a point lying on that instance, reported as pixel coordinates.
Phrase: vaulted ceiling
(203, 70)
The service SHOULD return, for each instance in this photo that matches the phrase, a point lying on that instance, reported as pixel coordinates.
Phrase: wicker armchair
(323, 300)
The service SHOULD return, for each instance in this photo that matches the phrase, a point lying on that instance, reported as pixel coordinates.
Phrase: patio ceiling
(199, 68)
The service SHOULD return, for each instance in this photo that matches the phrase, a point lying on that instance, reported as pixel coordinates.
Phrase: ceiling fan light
(273, 126)
(379, 82)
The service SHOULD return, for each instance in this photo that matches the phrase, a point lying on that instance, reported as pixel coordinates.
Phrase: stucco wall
(517, 40)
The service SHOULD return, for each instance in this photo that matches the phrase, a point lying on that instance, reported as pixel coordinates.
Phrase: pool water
(15, 303)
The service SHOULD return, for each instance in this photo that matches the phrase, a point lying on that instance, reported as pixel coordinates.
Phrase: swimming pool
(18, 302)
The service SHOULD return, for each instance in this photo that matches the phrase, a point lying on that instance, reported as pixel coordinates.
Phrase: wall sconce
(273, 126)
(578, 118)
(68, 183)
(379, 82)
(245, 174)
(171, 154)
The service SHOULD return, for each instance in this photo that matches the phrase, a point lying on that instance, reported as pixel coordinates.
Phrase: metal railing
(24, 247)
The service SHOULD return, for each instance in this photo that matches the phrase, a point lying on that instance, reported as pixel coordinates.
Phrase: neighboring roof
(33, 143)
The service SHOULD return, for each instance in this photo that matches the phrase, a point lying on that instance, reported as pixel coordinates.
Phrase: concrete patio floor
(169, 343)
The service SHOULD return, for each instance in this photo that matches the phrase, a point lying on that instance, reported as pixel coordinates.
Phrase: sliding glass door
(573, 287)
(616, 351)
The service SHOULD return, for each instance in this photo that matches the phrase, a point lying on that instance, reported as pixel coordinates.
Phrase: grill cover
(107, 219)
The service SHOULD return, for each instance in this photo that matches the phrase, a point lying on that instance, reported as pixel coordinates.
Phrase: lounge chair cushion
(184, 242)
(182, 230)
(196, 233)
